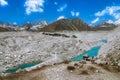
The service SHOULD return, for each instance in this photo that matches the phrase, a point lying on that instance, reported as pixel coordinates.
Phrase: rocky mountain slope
(66, 24)
(111, 51)
(3, 29)
(104, 26)
(76, 25)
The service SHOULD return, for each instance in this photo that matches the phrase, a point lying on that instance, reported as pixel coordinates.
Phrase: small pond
(104, 41)
(92, 52)
(23, 66)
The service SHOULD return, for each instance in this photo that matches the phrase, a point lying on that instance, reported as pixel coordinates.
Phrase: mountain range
(74, 24)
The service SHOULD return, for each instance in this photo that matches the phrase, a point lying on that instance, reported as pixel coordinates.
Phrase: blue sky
(90, 11)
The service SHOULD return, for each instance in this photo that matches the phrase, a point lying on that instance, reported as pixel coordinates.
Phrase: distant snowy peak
(106, 25)
(39, 25)
(8, 27)
(44, 23)
(27, 26)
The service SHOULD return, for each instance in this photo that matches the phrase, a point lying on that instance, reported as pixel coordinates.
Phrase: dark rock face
(3, 29)
(28, 26)
(66, 24)
(81, 25)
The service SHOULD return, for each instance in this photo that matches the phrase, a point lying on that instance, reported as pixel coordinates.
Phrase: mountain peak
(66, 24)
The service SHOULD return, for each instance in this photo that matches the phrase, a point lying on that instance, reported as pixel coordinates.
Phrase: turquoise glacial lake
(23, 66)
(104, 41)
(92, 52)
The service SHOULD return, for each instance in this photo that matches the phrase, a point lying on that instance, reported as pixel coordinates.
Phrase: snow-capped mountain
(39, 25)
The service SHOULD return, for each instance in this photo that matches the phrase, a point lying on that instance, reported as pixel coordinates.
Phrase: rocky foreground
(78, 70)
(23, 47)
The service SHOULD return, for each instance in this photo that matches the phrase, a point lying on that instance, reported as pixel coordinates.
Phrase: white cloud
(100, 13)
(3, 3)
(110, 21)
(108, 10)
(91, 25)
(72, 13)
(117, 22)
(112, 11)
(14, 23)
(34, 6)
(116, 15)
(56, 3)
(75, 13)
(95, 20)
(62, 8)
(61, 17)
